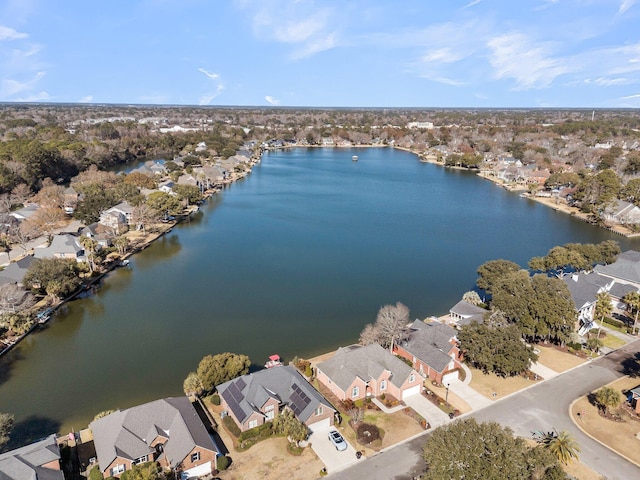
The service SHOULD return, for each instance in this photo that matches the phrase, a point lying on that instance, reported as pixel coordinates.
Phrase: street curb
(594, 438)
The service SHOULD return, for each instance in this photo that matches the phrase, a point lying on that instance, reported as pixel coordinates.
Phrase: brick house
(168, 431)
(36, 461)
(357, 372)
(256, 398)
(433, 350)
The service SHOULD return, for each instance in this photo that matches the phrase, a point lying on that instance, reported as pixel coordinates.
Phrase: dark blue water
(295, 260)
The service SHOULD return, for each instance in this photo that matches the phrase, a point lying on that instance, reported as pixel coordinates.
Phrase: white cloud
(34, 97)
(87, 99)
(442, 55)
(11, 87)
(213, 76)
(8, 33)
(472, 3)
(207, 98)
(272, 101)
(626, 5)
(530, 65)
(310, 28)
(629, 97)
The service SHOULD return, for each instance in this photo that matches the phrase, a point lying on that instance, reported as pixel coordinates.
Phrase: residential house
(634, 398)
(357, 372)
(584, 289)
(168, 431)
(102, 234)
(166, 187)
(623, 213)
(432, 348)
(36, 461)
(15, 271)
(626, 269)
(256, 398)
(25, 212)
(71, 198)
(118, 217)
(463, 313)
(62, 246)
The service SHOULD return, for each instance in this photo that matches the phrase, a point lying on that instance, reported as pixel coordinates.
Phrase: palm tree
(561, 445)
(607, 398)
(632, 300)
(603, 308)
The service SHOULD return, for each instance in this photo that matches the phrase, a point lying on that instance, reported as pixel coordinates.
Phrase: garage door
(321, 425)
(447, 377)
(411, 391)
(198, 471)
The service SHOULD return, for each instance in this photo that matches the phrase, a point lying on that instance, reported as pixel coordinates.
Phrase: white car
(337, 440)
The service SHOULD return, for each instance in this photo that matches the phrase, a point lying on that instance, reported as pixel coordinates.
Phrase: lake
(295, 259)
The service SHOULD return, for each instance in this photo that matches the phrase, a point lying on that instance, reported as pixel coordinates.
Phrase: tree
(192, 385)
(608, 398)
(58, 277)
(140, 180)
(288, 425)
(561, 445)
(632, 301)
(6, 425)
(492, 271)
(469, 450)
(189, 193)
(90, 247)
(164, 204)
(497, 349)
(391, 323)
(102, 414)
(45, 220)
(369, 335)
(12, 296)
(602, 309)
(143, 215)
(472, 297)
(216, 369)
(143, 471)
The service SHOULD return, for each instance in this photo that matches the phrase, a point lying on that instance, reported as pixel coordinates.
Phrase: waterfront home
(256, 398)
(622, 213)
(166, 187)
(356, 372)
(584, 289)
(463, 313)
(102, 234)
(433, 350)
(168, 431)
(37, 461)
(626, 269)
(62, 246)
(117, 217)
(15, 271)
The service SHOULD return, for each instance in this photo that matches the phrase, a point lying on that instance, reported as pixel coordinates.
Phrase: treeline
(526, 308)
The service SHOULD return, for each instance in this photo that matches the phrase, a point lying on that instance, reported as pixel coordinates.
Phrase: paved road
(542, 407)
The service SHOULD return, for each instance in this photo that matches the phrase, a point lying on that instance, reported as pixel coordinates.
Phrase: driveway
(469, 395)
(333, 459)
(428, 410)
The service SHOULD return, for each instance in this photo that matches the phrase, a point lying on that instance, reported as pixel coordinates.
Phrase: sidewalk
(542, 371)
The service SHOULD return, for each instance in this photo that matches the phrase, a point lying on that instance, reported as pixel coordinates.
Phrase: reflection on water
(293, 260)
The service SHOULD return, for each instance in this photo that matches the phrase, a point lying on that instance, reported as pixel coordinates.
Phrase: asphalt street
(544, 406)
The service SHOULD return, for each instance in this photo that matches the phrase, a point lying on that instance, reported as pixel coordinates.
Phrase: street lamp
(446, 396)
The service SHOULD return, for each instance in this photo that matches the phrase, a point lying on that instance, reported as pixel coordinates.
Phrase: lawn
(620, 436)
(558, 360)
(612, 342)
(490, 383)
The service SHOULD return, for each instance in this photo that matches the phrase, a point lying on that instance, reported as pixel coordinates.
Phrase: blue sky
(324, 53)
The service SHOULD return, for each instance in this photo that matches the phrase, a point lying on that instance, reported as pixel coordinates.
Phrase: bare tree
(369, 334)
(45, 220)
(392, 323)
(20, 193)
(142, 215)
(14, 298)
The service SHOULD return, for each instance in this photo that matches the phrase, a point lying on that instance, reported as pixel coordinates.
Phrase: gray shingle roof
(25, 463)
(14, 272)
(429, 342)
(129, 433)
(626, 267)
(60, 245)
(247, 394)
(584, 287)
(366, 362)
(466, 309)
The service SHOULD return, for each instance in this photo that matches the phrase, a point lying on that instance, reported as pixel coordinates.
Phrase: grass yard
(487, 384)
(557, 360)
(620, 436)
(613, 342)
(453, 399)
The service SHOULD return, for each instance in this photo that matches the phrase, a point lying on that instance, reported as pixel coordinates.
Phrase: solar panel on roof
(241, 383)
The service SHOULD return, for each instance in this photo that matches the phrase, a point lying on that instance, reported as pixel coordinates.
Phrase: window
(195, 456)
(355, 392)
(383, 385)
(117, 470)
(319, 410)
(140, 460)
(253, 423)
(412, 378)
(269, 412)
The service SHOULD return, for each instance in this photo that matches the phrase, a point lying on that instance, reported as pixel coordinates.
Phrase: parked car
(337, 440)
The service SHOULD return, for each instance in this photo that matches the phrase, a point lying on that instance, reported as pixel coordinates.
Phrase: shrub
(367, 433)
(576, 346)
(262, 431)
(215, 399)
(308, 370)
(232, 426)
(223, 462)
(614, 323)
(94, 473)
